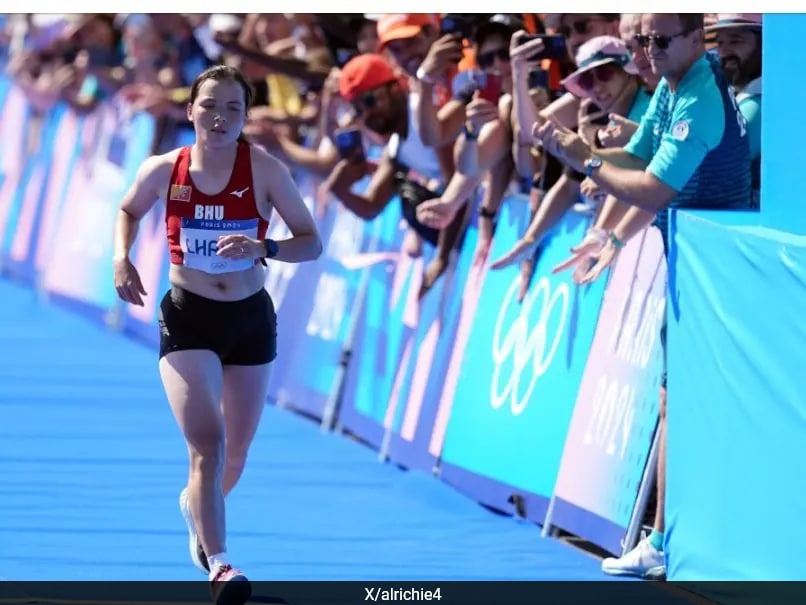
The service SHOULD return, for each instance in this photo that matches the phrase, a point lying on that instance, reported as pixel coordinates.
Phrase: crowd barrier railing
(544, 409)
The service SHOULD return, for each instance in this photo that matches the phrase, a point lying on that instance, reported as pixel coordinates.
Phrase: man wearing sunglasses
(407, 166)
(691, 150)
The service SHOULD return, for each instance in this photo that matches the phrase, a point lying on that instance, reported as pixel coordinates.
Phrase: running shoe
(643, 561)
(197, 554)
(229, 586)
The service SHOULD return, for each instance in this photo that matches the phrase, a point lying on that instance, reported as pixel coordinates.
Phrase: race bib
(199, 239)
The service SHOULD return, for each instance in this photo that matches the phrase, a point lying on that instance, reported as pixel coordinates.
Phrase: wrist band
(615, 240)
(424, 77)
(486, 213)
(599, 234)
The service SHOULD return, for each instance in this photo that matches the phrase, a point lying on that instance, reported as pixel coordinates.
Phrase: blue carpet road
(91, 465)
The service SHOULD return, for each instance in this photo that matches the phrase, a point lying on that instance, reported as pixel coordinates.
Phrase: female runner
(217, 322)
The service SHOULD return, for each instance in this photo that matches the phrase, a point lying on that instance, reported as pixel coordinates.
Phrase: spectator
(413, 44)
(690, 151)
(576, 29)
(738, 40)
(562, 193)
(608, 79)
(620, 128)
(178, 34)
(146, 57)
(367, 40)
(485, 149)
(629, 32)
(407, 165)
(413, 41)
(616, 135)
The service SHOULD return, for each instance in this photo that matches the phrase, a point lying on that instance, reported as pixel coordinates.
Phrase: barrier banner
(17, 143)
(283, 284)
(5, 86)
(616, 411)
(412, 412)
(80, 267)
(385, 323)
(519, 374)
(316, 313)
(40, 194)
(298, 285)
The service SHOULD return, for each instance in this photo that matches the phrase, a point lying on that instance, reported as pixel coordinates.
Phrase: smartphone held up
(553, 46)
(349, 144)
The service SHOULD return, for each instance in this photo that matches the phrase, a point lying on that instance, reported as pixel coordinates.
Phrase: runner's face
(219, 112)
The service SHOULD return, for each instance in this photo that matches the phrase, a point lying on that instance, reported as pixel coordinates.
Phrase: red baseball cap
(364, 73)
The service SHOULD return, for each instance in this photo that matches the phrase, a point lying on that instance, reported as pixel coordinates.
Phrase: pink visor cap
(595, 52)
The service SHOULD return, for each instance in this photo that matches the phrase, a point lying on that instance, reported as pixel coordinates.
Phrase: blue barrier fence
(734, 505)
(544, 409)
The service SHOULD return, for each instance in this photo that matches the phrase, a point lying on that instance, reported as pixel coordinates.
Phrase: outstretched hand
(522, 250)
(602, 260)
(436, 213)
(583, 255)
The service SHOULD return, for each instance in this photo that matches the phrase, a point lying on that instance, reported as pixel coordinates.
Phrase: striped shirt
(695, 141)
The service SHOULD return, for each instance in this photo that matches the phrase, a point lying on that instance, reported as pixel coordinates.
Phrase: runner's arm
(275, 183)
(141, 197)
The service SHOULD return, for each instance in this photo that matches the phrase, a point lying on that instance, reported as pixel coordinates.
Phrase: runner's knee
(207, 451)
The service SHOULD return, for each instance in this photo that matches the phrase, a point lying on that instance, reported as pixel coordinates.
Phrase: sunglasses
(602, 73)
(662, 42)
(367, 101)
(487, 59)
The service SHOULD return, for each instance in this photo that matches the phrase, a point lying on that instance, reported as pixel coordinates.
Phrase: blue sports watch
(591, 164)
(271, 248)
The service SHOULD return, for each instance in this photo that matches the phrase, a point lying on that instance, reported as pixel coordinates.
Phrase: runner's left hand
(237, 247)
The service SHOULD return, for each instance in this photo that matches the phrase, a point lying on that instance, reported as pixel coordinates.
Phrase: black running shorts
(242, 332)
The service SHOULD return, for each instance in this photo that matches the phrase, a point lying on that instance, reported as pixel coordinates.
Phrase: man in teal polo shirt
(691, 150)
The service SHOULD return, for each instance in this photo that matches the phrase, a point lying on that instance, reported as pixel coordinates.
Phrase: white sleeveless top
(412, 152)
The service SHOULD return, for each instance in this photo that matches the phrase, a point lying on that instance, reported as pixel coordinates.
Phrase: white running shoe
(197, 554)
(643, 561)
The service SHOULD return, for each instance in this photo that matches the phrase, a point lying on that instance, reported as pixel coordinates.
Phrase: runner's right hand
(127, 283)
